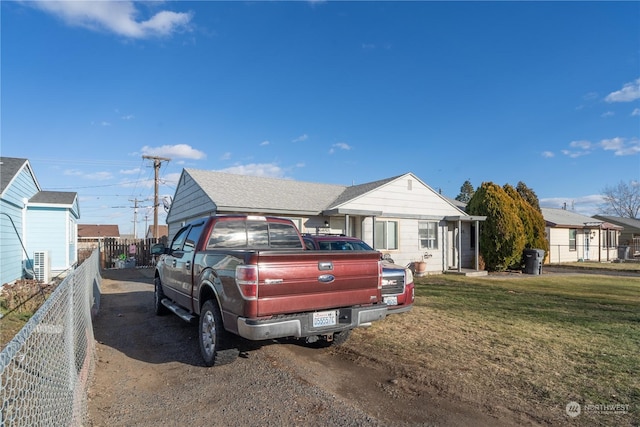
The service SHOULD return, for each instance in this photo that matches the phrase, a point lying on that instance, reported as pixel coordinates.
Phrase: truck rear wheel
(216, 344)
(158, 296)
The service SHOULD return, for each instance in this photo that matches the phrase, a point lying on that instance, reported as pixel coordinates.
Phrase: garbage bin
(623, 252)
(533, 259)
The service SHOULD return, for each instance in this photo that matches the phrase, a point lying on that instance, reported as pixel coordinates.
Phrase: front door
(587, 235)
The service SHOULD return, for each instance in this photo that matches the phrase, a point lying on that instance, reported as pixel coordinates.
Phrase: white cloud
(256, 169)
(118, 17)
(574, 154)
(607, 114)
(621, 147)
(301, 138)
(95, 176)
(339, 146)
(582, 147)
(629, 92)
(128, 117)
(582, 144)
(182, 151)
(547, 154)
(636, 112)
(130, 171)
(263, 143)
(226, 156)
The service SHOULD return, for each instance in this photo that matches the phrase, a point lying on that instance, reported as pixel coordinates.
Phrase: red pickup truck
(250, 276)
(398, 290)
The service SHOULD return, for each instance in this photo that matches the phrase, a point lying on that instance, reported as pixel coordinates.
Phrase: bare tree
(622, 200)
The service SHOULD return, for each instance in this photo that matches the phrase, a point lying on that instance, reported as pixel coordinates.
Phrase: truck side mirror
(158, 249)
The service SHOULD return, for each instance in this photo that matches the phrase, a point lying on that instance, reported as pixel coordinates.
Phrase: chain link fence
(45, 369)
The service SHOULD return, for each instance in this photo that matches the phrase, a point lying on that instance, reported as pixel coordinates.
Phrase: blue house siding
(16, 191)
(11, 253)
(34, 220)
(41, 236)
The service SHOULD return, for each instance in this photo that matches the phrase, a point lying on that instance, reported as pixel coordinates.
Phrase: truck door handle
(187, 265)
(325, 265)
(173, 262)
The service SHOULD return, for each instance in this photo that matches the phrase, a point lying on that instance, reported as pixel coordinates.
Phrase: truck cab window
(228, 234)
(178, 241)
(283, 236)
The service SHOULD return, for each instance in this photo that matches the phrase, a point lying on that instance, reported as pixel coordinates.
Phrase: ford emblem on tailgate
(326, 278)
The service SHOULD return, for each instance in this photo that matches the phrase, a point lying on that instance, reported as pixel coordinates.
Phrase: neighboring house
(90, 236)
(401, 215)
(630, 227)
(163, 231)
(574, 237)
(34, 221)
(629, 239)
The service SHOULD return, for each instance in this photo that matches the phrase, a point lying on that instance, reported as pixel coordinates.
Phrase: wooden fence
(122, 253)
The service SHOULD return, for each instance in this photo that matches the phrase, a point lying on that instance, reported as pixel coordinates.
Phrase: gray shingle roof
(54, 197)
(629, 224)
(269, 194)
(9, 167)
(562, 217)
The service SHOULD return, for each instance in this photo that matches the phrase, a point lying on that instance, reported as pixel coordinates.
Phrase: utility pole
(135, 216)
(157, 161)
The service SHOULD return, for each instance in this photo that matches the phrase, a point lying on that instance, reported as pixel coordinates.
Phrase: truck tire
(158, 296)
(216, 344)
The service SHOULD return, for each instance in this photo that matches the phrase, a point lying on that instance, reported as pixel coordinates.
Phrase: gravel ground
(149, 373)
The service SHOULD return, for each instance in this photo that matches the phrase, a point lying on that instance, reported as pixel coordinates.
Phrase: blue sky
(547, 93)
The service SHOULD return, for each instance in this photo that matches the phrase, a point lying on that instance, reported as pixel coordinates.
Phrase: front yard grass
(531, 344)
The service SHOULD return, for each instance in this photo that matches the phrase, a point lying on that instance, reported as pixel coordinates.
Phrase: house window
(428, 235)
(386, 235)
(610, 239)
(572, 239)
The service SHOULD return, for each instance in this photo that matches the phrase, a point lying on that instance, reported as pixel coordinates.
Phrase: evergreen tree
(532, 221)
(529, 195)
(466, 192)
(502, 236)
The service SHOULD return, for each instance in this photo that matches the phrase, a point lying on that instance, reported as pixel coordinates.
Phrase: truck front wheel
(216, 344)
(158, 296)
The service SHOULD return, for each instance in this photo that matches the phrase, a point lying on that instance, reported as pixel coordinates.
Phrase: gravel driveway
(149, 373)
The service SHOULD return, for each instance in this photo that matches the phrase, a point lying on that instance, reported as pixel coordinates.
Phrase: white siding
(189, 202)
(395, 198)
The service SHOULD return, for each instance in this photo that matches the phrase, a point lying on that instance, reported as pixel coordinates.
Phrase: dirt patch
(149, 371)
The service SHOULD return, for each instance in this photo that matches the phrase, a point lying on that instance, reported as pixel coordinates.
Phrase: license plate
(325, 318)
(391, 300)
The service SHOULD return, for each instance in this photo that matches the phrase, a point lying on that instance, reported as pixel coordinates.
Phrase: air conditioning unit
(41, 266)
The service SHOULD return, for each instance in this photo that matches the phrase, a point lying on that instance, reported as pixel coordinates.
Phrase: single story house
(400, 216)
(38, 229)
(574, 237)
(630, 227)
(163, 231)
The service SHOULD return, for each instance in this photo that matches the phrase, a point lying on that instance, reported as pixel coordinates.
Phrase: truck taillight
(247, 281)
(379, 274)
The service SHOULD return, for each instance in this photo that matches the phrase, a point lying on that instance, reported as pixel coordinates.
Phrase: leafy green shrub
(502, 236)
(532, 220)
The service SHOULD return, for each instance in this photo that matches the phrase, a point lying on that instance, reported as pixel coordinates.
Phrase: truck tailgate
(293, 282)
